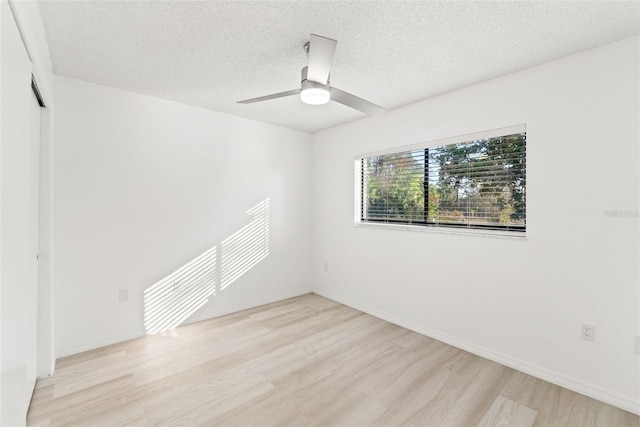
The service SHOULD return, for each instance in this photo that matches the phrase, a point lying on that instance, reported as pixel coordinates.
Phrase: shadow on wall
(174, 298)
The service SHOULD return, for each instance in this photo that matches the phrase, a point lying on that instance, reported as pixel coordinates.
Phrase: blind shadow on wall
(175, 297)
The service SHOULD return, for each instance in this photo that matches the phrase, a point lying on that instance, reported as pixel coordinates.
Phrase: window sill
(444, 230)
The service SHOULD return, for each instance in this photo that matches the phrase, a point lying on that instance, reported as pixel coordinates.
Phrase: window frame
(425, 225)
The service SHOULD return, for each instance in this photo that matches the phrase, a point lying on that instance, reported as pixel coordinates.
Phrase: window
(477, 182)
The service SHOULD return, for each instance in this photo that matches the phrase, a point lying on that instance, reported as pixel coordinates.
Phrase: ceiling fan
(315, 88)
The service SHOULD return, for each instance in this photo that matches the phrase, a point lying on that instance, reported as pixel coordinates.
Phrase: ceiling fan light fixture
(315, 95)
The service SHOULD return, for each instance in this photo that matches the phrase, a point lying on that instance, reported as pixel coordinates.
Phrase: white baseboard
(222, 311)
(198, 317)
(101, 342)
(622, 402)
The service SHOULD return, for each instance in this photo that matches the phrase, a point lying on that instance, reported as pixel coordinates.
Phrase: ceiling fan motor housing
(308, 83)
(313, 92)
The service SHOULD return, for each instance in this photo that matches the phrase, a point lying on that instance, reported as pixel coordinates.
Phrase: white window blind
(477, 183)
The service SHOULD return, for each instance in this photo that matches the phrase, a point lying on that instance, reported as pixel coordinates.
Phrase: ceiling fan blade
(268, 97)
(321, 51)
(353, 101)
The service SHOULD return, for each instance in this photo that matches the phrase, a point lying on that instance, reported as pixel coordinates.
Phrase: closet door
(19, 145)
(33, 190)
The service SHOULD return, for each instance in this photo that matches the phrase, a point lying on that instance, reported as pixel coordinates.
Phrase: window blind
(480, 183)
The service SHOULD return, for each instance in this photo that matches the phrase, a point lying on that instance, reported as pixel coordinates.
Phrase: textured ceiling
(214, 53)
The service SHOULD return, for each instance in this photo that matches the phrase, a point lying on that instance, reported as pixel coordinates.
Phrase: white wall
(519, 302)
(143, 186)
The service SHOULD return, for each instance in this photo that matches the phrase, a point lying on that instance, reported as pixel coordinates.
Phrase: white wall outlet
(326, 266)
(123, 295)
(587, 331)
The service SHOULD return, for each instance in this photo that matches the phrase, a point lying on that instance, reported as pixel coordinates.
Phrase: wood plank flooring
(306, 361)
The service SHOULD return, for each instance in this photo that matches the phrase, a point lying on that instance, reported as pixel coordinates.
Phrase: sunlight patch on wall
(247, 247)
(173, 299)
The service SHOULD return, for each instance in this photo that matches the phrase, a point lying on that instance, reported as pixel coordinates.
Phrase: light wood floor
(303, 361)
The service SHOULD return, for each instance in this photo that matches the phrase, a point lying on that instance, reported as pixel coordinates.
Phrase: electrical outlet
(326, 266)
(587, 331)
(123, 295)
